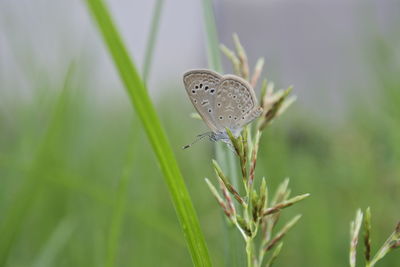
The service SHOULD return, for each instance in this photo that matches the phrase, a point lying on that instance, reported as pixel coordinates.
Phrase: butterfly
(222, 101)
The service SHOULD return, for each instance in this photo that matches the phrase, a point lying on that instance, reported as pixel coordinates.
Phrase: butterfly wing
(235, 104)
(201, 87)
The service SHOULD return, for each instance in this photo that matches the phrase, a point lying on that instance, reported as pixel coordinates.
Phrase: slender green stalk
(274, 255)
(354, 231)
(367, 236)
(390, 244)
(119, 207)
(146, 112)
(249, 251)
(222, 155)
(253, 213)
(151, 41)
(121, 195)
(32, 184)
(214, 59)
(55, 244)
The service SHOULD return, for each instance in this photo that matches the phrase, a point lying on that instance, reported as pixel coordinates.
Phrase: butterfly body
(222, 101)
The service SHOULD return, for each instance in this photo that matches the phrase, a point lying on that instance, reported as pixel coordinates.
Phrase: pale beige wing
(236, 103)
(201, 87)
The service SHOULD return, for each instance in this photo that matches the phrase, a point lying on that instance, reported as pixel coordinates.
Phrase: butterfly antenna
(200, 136)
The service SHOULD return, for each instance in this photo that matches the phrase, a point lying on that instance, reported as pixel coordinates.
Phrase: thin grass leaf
(280, 192)
(121, 195)
(119, 206)
(263, 201)
(254, 158)
(263, 91)
(57, 241)
(230, 54)
(390, 244)
(141, 102)
(228, 199)
(274, 255)
(219, 199)
(32, 184)
(94, 192)
(222, 154)
(214, 59)
(244, 65)
(367, 235)
(354, 231)
(257, 72)
(282, 232)
(151, 41)
(228, 185)
(285, 204)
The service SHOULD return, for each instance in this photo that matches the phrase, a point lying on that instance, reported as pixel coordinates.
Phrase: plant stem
(249, 220)
(145, 110)
(250, 252)
(382, 251)
(151, 41)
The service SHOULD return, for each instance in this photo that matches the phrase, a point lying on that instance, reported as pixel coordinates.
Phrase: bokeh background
(69, 136)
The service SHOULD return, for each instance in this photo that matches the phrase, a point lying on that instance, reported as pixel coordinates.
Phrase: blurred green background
(73, 155)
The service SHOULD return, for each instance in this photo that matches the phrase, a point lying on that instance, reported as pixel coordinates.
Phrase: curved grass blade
(53, 247)
(141, 102)
(121, 196)
(32, 184)
(151, 41)
(119, 205)
(214, 59)
(224, 157)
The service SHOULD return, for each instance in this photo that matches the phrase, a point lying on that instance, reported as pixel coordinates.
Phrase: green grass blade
(214, 59)
(31, 185)
(147, 114)
(151, 41)
(121, 196)
(119, 205)
(56, 243)
(224, 157)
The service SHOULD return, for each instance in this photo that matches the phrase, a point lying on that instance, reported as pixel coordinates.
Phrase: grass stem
(140, 99)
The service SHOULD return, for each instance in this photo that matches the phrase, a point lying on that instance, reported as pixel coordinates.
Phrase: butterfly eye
(212, 91)
(220, 117)
(219, 104)
(209, 110)
(193, 91)
(205, 88)
(196, 87)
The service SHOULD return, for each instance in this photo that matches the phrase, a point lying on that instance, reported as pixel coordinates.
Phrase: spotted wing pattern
(201, 87)
(235, 104)
(222, 101)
